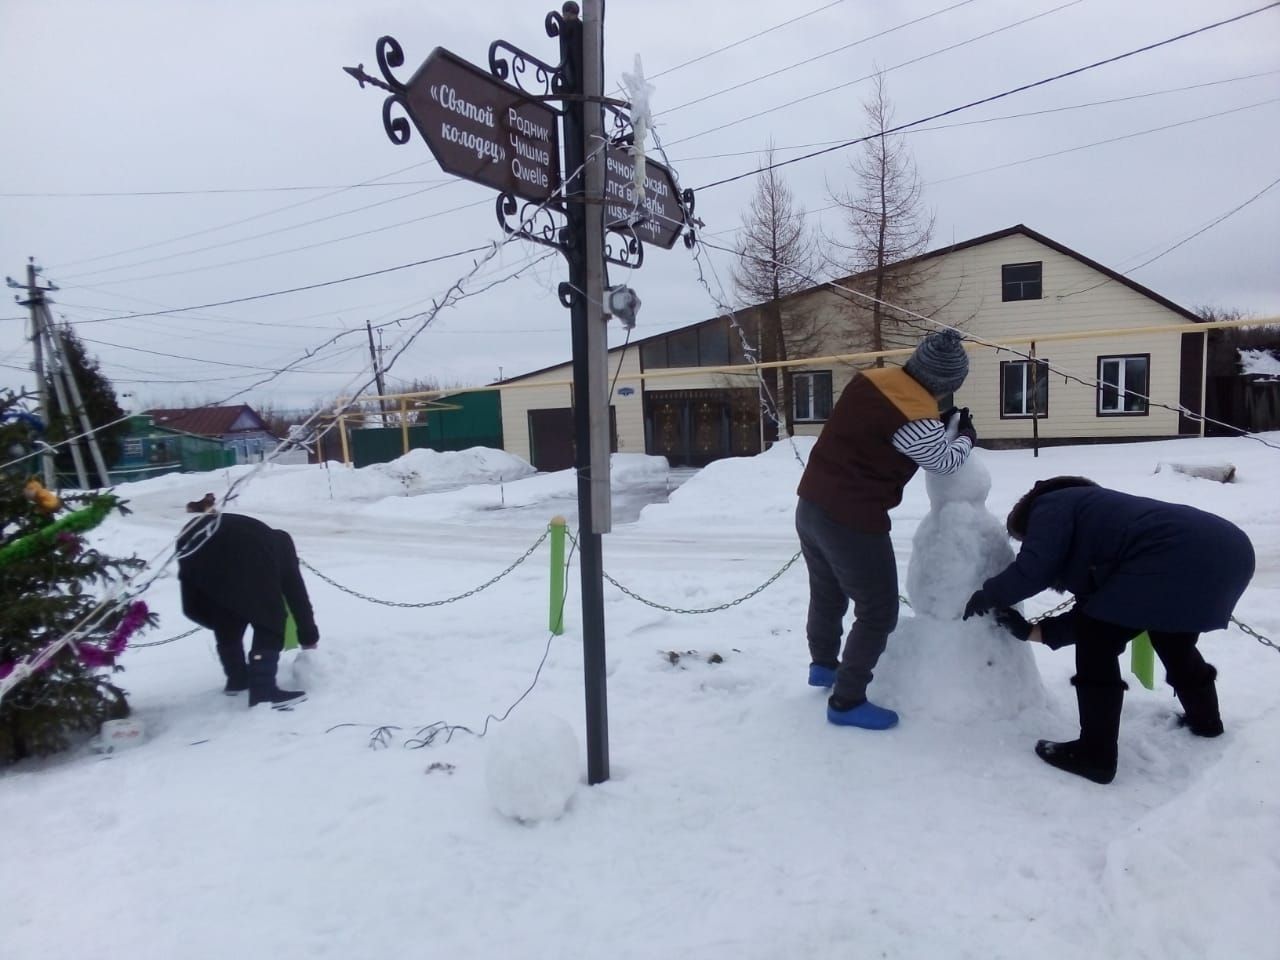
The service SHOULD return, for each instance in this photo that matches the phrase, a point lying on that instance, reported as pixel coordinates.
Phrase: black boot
(1093, 756)
(1200, 701)
(233, 665)
(262, 683)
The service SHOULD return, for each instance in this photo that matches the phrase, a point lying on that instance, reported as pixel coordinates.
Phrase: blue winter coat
(1130, 560)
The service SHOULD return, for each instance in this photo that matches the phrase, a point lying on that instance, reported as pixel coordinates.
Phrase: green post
(556, 618)
(1142, 660)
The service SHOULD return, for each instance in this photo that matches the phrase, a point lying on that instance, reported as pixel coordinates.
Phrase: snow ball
(970, 484)
(532, 767)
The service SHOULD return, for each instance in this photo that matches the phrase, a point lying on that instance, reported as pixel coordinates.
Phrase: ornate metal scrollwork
(624, 249)
(535, 77)
(621, 130)
(390, 56)
(565, 292)
(532, 221)
(686, 202)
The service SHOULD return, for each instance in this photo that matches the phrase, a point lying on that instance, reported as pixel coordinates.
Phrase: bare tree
(776, 258)
(887, 224)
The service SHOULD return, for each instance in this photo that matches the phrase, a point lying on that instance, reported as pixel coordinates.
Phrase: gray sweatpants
(846, 565)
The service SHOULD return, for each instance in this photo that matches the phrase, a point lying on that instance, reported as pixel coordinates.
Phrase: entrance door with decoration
(693, 427)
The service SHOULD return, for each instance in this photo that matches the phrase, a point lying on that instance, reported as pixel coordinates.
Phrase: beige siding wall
(962, 288)
(550, 390)
(968, 282)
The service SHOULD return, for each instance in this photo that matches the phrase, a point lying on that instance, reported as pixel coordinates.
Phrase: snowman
(936, 664)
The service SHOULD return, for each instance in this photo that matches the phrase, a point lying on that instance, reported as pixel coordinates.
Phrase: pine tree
(50, 580)
(100, 405)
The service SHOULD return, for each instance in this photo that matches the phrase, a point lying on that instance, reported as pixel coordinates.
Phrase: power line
(1007, 116)
(998, 96)
(278, 293)
(816, 57)
(210, 191)
(257, 258)
(738, 43)
(1099, 143)
(897, 66)
(236, 223)
(1209, 226)
(265, 233)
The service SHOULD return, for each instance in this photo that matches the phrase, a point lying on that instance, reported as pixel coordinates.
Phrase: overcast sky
(225, 109)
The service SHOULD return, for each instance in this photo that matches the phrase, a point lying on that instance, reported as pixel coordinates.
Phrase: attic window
(1021, 281)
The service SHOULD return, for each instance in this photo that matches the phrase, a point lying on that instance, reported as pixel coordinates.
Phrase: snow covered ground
(737, 823)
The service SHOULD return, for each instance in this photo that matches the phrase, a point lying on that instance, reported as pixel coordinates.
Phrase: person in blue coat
(1133, 564)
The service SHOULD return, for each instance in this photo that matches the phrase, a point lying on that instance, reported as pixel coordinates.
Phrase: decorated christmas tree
(52, 584)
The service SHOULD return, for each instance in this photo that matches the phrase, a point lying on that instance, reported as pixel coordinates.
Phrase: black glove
(979, 605)
(966, 426)
(1014, 622)
(946, 415)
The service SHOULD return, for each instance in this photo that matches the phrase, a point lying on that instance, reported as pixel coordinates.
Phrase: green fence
(455, 423)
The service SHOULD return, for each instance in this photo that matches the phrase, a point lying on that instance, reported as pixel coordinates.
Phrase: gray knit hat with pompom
(939, 363)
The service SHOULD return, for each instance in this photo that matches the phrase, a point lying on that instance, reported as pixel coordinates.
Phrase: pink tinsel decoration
(95, 656)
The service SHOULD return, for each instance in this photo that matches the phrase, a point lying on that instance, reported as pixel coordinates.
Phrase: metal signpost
(499, 129)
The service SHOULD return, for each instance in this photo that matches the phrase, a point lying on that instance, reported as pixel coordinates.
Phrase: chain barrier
(430, 603)
(161, 643)
(1256, 635)
(696, 610)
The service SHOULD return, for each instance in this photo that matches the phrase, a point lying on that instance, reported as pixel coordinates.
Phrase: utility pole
(581, 45)
(77, 402)
(35, 300)
(57, 373)
(377, 372)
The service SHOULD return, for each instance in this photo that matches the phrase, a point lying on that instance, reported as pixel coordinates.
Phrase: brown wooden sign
(484, 130)
(658, 218)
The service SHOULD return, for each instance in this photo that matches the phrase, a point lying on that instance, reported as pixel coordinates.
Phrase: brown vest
(854, 473)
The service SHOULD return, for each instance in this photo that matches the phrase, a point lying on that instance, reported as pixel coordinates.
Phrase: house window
(132, 448)
(1123, 385)
(811, 396)
(1020, 281)
(1017, 397)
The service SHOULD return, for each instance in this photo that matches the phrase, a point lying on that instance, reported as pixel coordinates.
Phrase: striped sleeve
(925, 442)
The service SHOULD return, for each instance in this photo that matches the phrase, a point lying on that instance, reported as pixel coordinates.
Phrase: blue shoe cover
(866, 715)
(821, 676)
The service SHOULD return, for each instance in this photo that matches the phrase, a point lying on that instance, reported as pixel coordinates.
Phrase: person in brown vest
(885, 426)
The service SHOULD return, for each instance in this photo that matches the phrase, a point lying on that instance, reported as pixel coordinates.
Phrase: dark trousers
(1100, 643)
(295, 590)
(847, 565)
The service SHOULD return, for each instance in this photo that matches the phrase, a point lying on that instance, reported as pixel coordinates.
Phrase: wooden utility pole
(376, 358)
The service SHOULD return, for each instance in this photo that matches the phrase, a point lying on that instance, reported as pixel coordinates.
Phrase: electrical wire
(238, 222)
(256, 236)
(997, 96)
(279, 293)
(897, 66)
(1167, 250)
(1007, 116)
(820, 56)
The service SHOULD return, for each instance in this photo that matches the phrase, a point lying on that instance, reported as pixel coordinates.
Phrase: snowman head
(970, 484)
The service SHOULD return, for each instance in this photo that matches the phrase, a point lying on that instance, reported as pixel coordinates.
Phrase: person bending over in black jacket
(1134, 565)
(236, 571)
